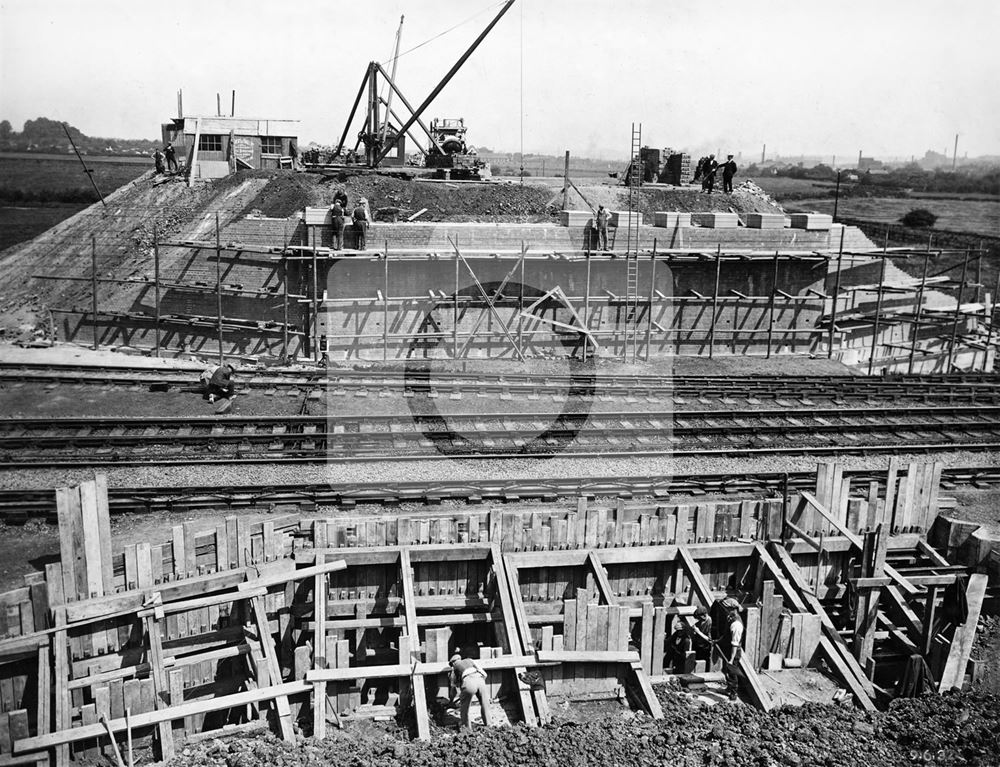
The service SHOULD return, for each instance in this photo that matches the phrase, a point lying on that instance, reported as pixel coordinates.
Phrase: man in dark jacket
(218, 382)
(171, 155)
(337, 217)
(708, 174)
(360, 218)
(728, 171)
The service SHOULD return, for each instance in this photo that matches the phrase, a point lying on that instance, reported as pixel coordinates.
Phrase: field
(971, 216)
(38, 193)
(782, 188)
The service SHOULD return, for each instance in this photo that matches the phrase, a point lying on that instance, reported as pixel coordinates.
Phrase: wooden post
(566, 183)
(715, 302)
(586, 304)
(930, 620)
(919, 309)
(315, 303)
(652, 293)
(990, 317)
(878, 312)
(410, 614)
(520, 300)
(319, 649)
(836, 293)
(385, 301)
(958, 312)
(454, 332)
(156, 290)
(770, 319)
(93, 285)
(218, 284)
(158, 672)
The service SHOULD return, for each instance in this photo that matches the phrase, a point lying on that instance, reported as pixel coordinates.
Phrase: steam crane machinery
(446, 150)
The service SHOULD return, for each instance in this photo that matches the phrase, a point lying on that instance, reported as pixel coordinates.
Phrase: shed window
(270, 144)
(209, 143)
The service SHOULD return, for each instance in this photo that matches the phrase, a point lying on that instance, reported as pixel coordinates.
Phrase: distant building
(868, 163)
(214, 147)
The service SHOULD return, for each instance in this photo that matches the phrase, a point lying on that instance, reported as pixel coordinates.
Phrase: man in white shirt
(731, 653)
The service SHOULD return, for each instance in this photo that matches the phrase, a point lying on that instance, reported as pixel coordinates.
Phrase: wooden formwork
(222, 626)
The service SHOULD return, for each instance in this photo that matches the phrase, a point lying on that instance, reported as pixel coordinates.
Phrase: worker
(337, 218)
(171, 155)
(341, 196)
(602, 228)
(728, 171)
(699, 168)
(218, 382)
(730, 645)
(469, 679)
(700, 635)
(708, 174)
(158, 160)
(360, 218)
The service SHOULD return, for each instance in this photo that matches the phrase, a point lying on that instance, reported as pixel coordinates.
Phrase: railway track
(19, 505)
(36, 442)
(584, 382)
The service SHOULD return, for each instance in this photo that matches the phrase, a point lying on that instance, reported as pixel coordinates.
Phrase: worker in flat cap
(469, 679)
(730, 645)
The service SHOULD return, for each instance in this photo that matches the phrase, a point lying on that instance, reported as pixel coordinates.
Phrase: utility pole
(763, 154)
(88, 171)
(954, 156)
(836, 197)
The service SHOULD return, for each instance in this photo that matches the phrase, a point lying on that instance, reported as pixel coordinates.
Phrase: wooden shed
(217, 146)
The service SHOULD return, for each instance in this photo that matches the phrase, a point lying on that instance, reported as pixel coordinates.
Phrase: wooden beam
(586, 656)
(961, 643)
(898, 579)
(410, 611)
(511, 633)
(704, 593)
(319, 649)
(524, 631)
(160, 689)
(151, 718)
(273, 666)
(279, 579)
(795, 589)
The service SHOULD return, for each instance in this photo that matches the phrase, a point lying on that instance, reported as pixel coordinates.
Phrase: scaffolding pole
(715, 302)
(878, 311)
(218, 284)
(836, 293)
(156, 291)
(385, 298)
(958, 313)
(919, 309)
(649, 308)
(93, 284)
(770, 317)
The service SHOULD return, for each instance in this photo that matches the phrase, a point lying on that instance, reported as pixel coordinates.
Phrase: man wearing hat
(360, 218)
(469, 679)
(731, 654)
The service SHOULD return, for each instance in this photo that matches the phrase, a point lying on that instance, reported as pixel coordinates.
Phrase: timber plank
(961, 643)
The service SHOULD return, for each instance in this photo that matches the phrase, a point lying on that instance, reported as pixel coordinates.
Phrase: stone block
(766, 220)
(671, 220)
(620, 218)
(575, 218)
(819, 221)
(716, 220)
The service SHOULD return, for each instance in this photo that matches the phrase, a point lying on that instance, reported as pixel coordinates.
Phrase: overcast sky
(891, 77)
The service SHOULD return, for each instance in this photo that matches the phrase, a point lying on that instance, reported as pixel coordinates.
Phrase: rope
(442, 34)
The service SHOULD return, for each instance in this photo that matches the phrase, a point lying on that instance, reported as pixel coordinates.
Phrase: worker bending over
(469, 679)
(218, 382)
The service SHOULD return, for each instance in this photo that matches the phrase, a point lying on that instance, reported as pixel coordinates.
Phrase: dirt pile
(986, 651)
(392, 198)
(957, 730)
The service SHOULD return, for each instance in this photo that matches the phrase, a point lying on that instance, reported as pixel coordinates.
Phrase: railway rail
(584, 381)
(33, 442)
(20, 505)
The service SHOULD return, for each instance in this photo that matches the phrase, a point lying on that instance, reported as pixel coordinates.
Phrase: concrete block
(318, 216)
(766, 220)
(576, 218)
(619, 218)
(716, 220)
(811, 221)
(671, 220)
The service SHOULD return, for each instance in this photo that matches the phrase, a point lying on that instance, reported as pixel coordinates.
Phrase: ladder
(631, 345)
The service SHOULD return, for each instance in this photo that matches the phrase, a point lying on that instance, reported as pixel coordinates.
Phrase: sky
(891, 78)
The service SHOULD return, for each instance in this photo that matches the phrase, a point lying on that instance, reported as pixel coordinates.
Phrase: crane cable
(450, 29)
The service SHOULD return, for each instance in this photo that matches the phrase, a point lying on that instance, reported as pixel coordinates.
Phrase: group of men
(706, 169)
(165, 159)
(360, 218)
(701, 637)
